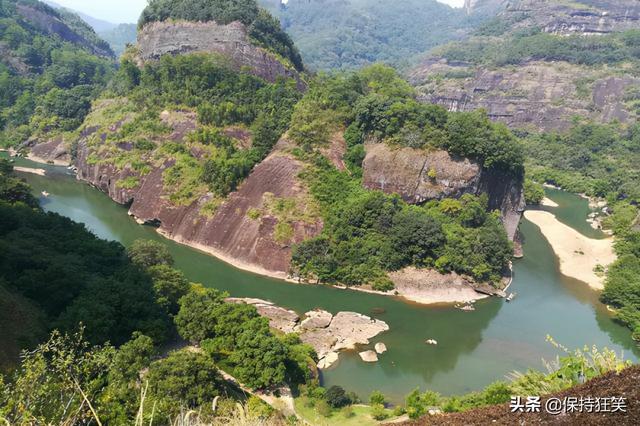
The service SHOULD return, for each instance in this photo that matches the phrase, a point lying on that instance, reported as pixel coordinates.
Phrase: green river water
(474, 348)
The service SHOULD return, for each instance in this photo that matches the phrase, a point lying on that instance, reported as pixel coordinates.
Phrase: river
(474, 348)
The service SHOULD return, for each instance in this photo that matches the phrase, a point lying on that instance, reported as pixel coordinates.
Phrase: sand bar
(578, 254)
(40, 172)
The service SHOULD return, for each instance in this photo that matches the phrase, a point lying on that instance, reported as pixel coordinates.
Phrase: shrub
(378, 412)
(336, 397)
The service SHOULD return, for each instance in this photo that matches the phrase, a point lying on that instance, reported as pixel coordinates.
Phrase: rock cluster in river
(326, 333)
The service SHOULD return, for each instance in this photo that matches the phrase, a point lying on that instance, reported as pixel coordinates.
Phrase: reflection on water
(474, 348)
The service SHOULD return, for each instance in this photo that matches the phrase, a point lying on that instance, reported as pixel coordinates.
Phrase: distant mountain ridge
(540, 64)
(117, 35)
(99, 25)
(347, 34)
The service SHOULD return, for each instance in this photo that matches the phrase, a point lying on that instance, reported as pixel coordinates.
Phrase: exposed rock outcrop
(281, 319)
(419, 175)
(52, 151)
(326, 333)
(229, 233)
(369, 356)
(231, 41)
(380, 347)
(540, 95)
(428, 286)
(585, 17)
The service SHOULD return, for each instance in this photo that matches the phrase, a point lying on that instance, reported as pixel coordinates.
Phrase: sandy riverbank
(429, 287)
(578, 254)
(37, 159)
(40, 172)
(547, 202)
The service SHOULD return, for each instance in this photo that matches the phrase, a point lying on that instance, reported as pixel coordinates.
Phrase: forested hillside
(52, 65)
(343, 34)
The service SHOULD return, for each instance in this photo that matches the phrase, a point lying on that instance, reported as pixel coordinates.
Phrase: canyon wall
(230, 41)
(418, 176)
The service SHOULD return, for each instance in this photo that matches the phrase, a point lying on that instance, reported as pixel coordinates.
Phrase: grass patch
(360, 415)
(128, 183)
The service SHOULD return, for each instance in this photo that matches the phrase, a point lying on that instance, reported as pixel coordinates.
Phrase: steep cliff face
(545, 84)
(418, 176)
(540, 95)
(586, 17)
(231, 41)
(243, 230)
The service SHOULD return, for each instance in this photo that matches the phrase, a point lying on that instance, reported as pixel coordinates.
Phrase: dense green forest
(368, 233)
(343, 34)
(493, 47)
(263, 28)
(110, 310)
(46, 83)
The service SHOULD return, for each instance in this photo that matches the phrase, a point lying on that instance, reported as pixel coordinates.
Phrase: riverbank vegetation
(368, 233)
(108, 312)
(47, 83)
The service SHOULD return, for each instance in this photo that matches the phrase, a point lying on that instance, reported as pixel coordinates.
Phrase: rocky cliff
(418, 176)
(543, 90)
(242, 230)
(586, 17)
(231, 41)
(537, 94)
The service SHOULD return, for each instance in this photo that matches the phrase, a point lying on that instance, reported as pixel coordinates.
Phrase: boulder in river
(279, 318)
(369, 356)
(381, 348)
(315, 319)
(328, 360)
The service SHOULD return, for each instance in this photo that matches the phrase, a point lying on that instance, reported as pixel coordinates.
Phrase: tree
(120, 400)
(337, 397)
(12, 189)
(376, 397)
(196, 320)
(416, 236)
(533, 192)
(169, 285)
(148, 253)
(259, 358)
(230, 322)
(184, 379)
(418, 403)
(65, 366)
